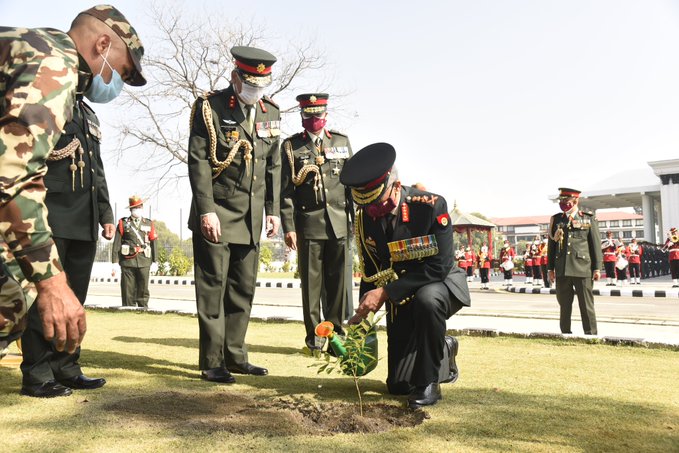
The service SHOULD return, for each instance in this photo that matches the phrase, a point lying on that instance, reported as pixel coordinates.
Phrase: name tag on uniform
(268, 129)
(336, 152)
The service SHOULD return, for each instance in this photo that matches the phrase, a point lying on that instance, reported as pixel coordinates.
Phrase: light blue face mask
(102, 92)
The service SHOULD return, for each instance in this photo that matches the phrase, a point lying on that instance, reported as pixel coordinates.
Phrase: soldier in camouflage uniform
(234, 170)
(574, 256)
(134, 248)
(315, 213)
(40, 72)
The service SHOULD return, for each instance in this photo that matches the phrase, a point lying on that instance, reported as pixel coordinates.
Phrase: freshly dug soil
(196, 413)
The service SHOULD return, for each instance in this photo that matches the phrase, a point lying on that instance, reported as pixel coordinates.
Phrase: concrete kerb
(471, 332)
(626, 292)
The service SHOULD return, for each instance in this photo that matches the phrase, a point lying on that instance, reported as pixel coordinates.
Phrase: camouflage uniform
(38, 78)
(38, 82)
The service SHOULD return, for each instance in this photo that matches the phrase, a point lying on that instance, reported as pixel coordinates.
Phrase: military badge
(413, 248)
(320, 160)
(93, 129)
(443, 219)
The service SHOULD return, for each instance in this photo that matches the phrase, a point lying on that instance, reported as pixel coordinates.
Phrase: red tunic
(634, 255)
(674, 251)
(609, 252)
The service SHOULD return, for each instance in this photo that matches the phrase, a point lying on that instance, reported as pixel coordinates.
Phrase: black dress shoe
(82, 382)
(425, 396)
(452, 345)
(49, 389)
(220, 375)
(248, 368)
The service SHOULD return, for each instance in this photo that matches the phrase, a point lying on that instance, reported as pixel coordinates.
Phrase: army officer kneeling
(405, 244)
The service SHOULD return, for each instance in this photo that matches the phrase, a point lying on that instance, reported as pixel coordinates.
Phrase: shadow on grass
(138, 363)
(193, 344)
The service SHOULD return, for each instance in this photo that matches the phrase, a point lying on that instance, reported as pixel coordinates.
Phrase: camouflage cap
(116, 21)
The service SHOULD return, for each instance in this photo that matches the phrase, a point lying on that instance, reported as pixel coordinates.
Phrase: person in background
(528, 265)
(574, 257)
(507, 255)
(537, 262)
(543, 261)
(483, 261)
(672, 246)
(634, 252)
(470, 259)
(609, 247)
(134, 249)
(621, 264)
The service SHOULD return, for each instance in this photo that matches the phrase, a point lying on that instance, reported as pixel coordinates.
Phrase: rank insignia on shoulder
(424, 199)
(443, 219)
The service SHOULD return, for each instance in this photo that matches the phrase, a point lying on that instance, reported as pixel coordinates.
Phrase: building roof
(542, 219)
(462, 219)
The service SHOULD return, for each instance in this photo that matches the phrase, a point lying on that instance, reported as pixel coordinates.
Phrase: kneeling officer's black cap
(367, 172)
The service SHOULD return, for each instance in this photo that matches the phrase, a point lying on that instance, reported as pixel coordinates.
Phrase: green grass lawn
(513, 395)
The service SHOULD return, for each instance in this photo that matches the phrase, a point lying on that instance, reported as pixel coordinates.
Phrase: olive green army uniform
(234, 171)
(134, 248)
(317, 207)
(574, 257)
(78, 203)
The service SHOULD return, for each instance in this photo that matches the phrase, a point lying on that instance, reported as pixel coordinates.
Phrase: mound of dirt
(211, 412)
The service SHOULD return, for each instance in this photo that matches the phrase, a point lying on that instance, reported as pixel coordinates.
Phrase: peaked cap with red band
(254, 65)
(313, 103)
(566, 192)
(367, 172)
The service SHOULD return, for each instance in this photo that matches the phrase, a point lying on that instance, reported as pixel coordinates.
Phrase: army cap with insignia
(367, 172)
(118, 23)
(135, 202)
(313, 103)
(254, 65)
(565, 192)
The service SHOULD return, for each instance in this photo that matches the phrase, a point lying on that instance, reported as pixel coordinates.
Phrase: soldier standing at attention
(234, 170)
(41, 70)
(672, 246)
(507, 255)
(316, 211)
(634, 251)
(405, 245)
(574, 256)
(134, 248)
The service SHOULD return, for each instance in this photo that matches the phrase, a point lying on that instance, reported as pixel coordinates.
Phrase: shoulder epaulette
(88, 108)
(589, 213)
(427, 199)
(334, 132)
(270, 101)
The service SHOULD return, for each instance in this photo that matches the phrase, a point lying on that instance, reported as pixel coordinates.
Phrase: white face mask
(136, 212)
(249, 94)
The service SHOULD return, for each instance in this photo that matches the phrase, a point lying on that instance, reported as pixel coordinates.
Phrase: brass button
(254, 177)
(403, 271)
(255, 160)
(90, 153)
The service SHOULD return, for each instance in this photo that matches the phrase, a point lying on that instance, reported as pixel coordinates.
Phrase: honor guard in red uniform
(483, 262)
(672, 246)
(469, 258)
(461, 259)
(507, 255)
(608, 247)
(634, 252)
(621, 264)
(528, 265)
(537, 261)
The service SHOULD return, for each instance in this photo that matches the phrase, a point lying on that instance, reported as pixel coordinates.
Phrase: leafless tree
(188, 57)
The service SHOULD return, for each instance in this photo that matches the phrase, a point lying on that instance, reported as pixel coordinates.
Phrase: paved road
(652, 319)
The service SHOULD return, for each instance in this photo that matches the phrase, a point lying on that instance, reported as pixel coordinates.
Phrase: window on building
(602, 224)
(639, 222)
(627, 234)
(639, 234)
(603, 235)
(627, 223)
(614, 223)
